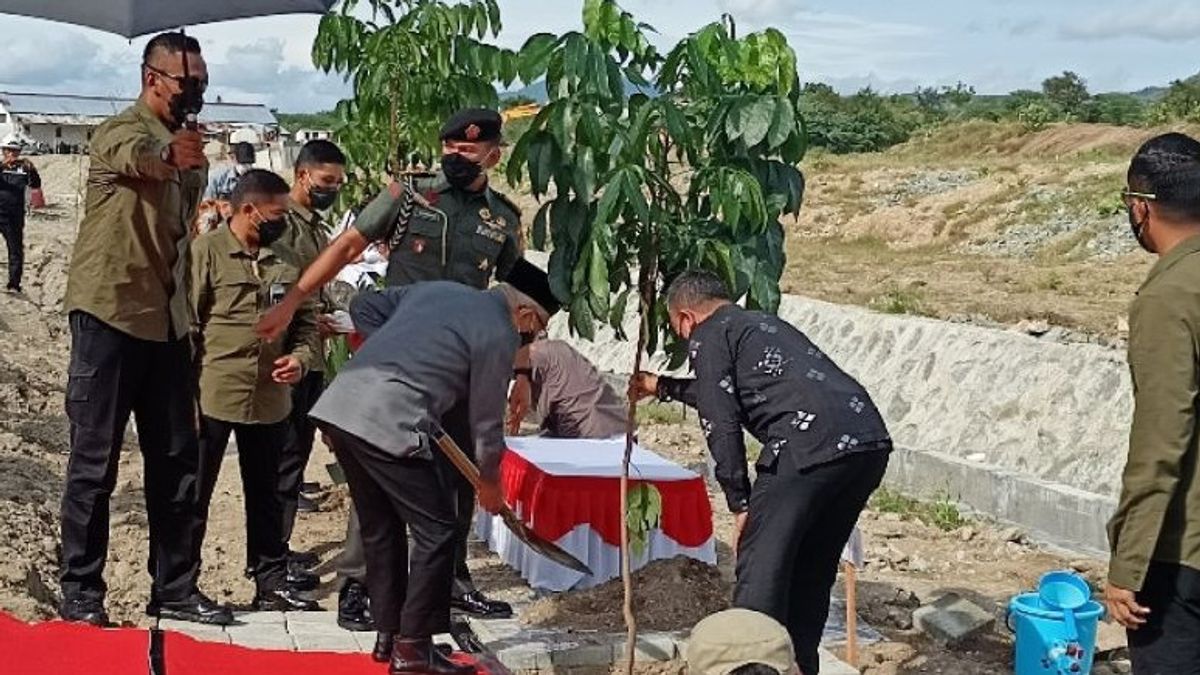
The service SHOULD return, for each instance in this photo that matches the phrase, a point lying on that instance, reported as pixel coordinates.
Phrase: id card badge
(275, 294)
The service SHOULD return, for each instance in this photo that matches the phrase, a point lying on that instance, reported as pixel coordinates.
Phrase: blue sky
(995, 45)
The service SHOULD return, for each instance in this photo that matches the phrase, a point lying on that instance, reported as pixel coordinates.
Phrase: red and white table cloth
(568, 491)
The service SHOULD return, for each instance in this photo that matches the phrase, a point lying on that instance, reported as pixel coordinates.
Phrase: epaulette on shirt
(508, 202)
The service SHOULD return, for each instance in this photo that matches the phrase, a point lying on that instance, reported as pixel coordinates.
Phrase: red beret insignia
(472, 132)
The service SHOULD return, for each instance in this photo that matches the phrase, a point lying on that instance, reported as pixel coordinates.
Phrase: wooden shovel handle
(456, 456)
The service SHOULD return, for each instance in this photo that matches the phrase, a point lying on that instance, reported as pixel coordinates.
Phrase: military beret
(527, 278)
(473, 124)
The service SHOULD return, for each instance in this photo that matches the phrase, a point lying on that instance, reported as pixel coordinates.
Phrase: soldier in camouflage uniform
(449, 225)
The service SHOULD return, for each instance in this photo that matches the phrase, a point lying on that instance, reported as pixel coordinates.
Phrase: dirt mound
(669, 595)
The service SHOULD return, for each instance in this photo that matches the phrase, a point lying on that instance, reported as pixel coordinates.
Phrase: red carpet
(59, 648)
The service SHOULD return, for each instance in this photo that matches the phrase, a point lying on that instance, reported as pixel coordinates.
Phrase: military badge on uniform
(472, 132)
(418, 245)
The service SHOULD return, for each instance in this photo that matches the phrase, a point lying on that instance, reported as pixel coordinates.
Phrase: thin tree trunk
(646, 278)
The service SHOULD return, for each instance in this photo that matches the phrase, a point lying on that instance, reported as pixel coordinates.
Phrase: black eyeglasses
(197, 83)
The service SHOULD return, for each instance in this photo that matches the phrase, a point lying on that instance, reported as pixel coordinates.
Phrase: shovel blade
(546, 549)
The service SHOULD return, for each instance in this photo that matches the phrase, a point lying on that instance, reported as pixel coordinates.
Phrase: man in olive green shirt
(446, 226)
(1154, 575)
(127, 304)
(320, 173)
(245, 381)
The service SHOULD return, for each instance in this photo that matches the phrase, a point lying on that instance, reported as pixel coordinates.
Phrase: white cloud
(1174, 22)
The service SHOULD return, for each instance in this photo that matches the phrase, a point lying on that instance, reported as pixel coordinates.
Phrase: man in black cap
(449, 226)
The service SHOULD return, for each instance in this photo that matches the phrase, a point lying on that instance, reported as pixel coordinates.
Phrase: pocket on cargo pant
(81, 384)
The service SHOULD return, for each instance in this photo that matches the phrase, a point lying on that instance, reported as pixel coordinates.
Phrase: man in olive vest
(450, 225)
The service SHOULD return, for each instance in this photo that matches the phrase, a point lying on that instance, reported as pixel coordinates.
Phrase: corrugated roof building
(65, 122)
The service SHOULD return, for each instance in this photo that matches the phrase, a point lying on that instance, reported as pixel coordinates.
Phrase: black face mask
(269, 231)
(1139, 231)
(322, 197)
(189, 101)
(460, 172)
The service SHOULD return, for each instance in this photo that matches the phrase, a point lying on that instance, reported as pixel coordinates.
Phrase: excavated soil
(670, 595)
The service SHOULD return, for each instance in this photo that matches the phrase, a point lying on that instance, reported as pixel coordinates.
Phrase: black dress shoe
(382, 653)
(306, 505)
(283, 600)
(83, 610)
(420, 657)
(354, 608)
(301, 579)
(196, 608)
(476, 604)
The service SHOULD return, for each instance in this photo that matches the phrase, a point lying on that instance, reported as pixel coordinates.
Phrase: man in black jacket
(825, 449)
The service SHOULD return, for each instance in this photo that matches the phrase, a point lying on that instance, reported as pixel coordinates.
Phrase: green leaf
(610, 200)
(544, 157)
(539, 226)
(598, 280)
(583, 322)
(585, 173)
(616, 317)
(534, 57)
(783, 123)
(632, 189)
(754, 120)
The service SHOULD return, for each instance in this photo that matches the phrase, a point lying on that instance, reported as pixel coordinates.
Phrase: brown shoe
(419, 657)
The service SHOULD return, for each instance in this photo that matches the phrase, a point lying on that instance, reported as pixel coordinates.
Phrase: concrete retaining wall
(1027, 430)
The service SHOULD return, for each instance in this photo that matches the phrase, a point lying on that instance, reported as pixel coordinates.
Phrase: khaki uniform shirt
(571, 399)
(129, 266)
(230, 289)
(1158, 517)
(437, 232)
(305, 237)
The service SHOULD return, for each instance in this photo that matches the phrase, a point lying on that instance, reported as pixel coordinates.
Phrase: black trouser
(258, 446)
(798, 524)
(352, 564)
(409, 590)
(299, 446)
(12, 228)
(112, 374)
(1169, 642)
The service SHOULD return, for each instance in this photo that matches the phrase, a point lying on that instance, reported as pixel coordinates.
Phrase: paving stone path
(518, 647)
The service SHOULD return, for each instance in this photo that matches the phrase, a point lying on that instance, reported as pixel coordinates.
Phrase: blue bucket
(1044, 643)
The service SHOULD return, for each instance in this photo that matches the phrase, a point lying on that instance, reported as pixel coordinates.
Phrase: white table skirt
(585, 544)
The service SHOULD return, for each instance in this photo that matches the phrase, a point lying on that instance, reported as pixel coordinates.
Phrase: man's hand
(643, 385)
(186, 150)
(518, 403)
(739, 525)
(1123, 607)
(287, 370)
(277, 319)
(491, 496)
(326, 326)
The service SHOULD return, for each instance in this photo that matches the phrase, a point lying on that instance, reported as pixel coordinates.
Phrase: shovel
(469, 471)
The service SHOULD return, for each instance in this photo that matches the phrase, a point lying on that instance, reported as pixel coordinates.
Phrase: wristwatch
(527, 372)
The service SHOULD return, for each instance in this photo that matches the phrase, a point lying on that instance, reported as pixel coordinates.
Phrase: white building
(305, 135)
(65, 123)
